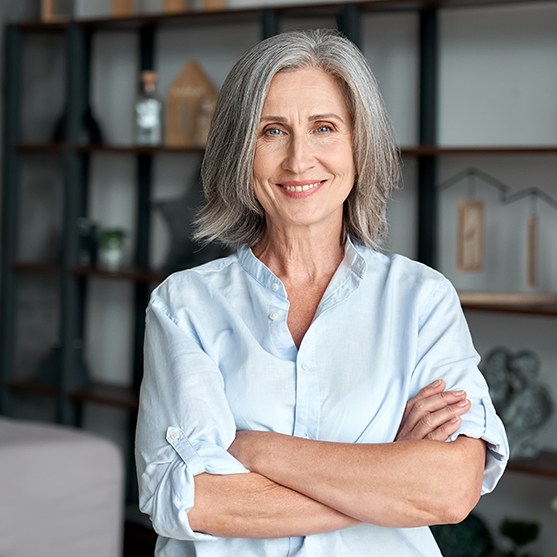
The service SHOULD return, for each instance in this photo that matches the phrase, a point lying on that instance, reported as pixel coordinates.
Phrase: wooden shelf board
(545, 464)
(32, 386)
(58, 148)
(32, 267)
(39, 147)
(99, 393)
(136, 149)
(232, 15)
(519, 303)
(426, 150)
(131, 274)
(406, 150)
(108, 395)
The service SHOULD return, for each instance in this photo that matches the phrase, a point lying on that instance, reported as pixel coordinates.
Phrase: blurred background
(100, 183)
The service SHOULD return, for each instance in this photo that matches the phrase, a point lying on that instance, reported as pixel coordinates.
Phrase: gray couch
(61, 492)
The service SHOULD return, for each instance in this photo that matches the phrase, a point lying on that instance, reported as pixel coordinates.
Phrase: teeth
(301, 188)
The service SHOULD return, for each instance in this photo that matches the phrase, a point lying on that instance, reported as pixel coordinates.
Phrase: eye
(272, 132)
(324, 128)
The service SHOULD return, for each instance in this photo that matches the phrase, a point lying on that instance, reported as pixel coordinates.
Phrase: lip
(300, 184)
(292, 183)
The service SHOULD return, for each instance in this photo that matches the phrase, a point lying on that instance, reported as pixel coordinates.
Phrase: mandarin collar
(353, 260)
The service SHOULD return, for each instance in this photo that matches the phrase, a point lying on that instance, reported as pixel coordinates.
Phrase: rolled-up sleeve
(446, 351)
(184, 425)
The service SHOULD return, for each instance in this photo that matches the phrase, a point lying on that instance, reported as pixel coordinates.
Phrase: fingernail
(463, 403)
(436, 383)
(457, 393)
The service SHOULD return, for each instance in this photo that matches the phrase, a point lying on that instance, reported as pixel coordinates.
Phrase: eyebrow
(312, 118)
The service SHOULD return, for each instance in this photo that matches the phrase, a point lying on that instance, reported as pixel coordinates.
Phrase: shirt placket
(306, 419)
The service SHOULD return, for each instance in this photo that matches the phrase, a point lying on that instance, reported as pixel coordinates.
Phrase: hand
(433, 414)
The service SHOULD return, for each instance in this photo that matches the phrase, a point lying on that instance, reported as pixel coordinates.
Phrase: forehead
(311, 88)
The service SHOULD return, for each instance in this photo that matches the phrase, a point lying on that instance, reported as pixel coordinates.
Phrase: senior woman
(308, 395)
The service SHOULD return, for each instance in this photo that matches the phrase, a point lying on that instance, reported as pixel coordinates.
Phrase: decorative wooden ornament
(122, 8)
(175, 6)
(56, 10)
(209, 5)
(189, 107)
(470, 235)
(533, 235)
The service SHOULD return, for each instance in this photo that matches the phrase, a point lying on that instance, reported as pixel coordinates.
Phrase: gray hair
(232, 215)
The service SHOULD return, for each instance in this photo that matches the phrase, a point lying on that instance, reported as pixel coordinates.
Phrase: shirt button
(305, 367)
(275, 286)
(273, 315)
(175, 435)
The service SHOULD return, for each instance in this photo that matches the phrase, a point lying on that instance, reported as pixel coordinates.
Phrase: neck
(300, 256)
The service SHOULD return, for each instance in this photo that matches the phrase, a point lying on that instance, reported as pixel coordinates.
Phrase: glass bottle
(148, 111)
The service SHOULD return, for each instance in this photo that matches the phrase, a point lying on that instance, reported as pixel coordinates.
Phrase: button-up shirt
(219, 358)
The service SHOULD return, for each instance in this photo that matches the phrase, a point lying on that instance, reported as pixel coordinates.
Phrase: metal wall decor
(522, 402)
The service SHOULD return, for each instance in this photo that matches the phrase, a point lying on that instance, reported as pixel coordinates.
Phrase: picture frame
(470, 235)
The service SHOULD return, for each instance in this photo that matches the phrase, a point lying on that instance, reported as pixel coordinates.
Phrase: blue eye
(273, 131)
(323, 129)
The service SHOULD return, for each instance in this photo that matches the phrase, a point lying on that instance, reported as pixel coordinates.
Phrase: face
(304, 165)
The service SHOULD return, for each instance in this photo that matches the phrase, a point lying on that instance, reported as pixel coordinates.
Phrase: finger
(432, 389)
(443, 432)
(426, 406)
(435, 424)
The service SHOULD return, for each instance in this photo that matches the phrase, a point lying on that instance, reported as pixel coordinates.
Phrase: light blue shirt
(219, 358)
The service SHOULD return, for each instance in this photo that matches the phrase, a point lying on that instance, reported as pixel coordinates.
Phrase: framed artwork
(470, 235)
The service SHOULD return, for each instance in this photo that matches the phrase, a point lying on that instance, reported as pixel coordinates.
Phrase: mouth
(299, 187)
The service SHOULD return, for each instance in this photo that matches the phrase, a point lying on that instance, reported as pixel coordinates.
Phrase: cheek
(265, 160)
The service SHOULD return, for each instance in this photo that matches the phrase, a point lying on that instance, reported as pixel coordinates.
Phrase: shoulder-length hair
(231, 214)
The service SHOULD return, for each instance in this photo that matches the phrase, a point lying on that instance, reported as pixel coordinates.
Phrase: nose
(299, 155)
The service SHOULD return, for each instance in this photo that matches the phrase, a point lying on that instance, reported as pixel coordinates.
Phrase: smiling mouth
(298, 189)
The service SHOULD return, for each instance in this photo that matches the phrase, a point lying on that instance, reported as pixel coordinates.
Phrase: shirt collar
(353, 260)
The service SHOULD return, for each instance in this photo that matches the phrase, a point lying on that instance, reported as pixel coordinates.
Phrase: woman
(273, 414)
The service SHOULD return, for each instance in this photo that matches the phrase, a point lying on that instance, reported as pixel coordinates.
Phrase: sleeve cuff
(481, 422)
(204, 456)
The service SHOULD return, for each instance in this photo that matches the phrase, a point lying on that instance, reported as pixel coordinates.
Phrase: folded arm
(252, 505)
(407, 484)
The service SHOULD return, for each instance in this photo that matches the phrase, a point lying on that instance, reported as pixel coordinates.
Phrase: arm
(252, 506)
(402, 484)
(406, 484)
(189, 484)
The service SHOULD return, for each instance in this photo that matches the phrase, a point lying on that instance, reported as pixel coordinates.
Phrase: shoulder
(192, 285)
(405, 277)
(401, 267)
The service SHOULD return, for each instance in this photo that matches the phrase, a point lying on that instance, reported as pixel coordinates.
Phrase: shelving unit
(75, 162)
